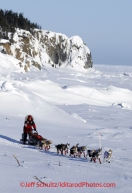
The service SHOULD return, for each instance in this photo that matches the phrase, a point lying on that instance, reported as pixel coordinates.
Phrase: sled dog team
(78, 150)
(43, 143)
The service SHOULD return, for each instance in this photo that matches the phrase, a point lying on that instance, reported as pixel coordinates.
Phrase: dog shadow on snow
(29, 147)
(41, 151)
(77, 159)
(59, 155)
(9, 139)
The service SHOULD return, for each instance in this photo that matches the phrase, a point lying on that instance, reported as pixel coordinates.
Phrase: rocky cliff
(42, 47)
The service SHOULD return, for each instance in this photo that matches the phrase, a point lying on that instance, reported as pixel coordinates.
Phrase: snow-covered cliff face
(46, 47)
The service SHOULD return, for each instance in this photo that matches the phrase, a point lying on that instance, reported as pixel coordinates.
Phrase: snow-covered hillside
(43, 46)
(69, 106)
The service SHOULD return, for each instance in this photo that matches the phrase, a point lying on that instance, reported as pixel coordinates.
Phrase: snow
(68, 106)
(128, 74)
(124, 105)
(76, 40)
(4, 41)
(6, 86)
(77, 117)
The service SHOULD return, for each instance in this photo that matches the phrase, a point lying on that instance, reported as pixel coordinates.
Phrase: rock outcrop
(42, 47)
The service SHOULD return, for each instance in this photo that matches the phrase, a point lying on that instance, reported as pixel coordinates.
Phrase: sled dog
(95, 154)
(45, 144)
(80, 150)
(73, 150)
(108, 155)
(62, 148)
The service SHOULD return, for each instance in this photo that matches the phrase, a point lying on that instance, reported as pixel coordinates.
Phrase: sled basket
(36, 136)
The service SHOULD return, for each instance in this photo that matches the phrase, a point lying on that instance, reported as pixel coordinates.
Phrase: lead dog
(108, 155)
(95, 154)
(62, 148)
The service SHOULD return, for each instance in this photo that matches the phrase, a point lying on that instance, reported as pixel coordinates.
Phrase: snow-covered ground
(69, 106)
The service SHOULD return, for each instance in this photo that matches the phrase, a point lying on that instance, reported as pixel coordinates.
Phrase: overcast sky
(104, 25)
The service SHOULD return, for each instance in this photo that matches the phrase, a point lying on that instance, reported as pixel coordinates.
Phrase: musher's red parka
(29, 124)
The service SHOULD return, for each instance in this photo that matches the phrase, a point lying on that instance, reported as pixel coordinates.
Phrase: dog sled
(37, 140)
(33, 139)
